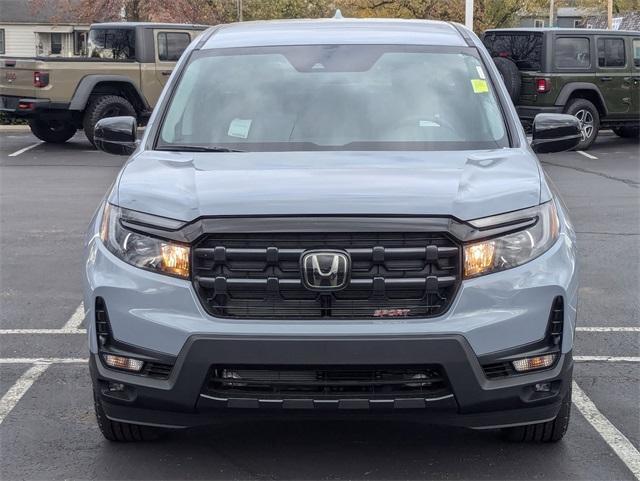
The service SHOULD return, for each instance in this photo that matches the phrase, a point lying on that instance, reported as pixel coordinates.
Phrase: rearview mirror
(116, 135)
(555, 133)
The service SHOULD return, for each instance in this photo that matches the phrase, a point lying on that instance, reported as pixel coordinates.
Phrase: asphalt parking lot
(47, 427)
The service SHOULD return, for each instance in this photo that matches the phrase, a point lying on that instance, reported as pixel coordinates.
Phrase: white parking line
(43, 331)
(22, 151)
(608, 329)
(588, 156)
(76, 318)
(42, 360)
(606, 359)
(617, 441)
(21, 386)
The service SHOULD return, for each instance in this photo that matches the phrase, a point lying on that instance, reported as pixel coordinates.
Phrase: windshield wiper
(198, 148)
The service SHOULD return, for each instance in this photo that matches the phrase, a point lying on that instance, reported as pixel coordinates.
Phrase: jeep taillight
(543, 85)
(40, 79)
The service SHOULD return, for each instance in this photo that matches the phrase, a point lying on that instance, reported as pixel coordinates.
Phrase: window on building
(572, 52)
(79, 42)
(578, 24)
(636, 52)
(56, 43)
(171, 45)
(2, 41)
(611, 52)
(538, 23)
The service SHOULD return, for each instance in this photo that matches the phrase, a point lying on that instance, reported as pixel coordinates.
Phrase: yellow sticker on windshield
(479, 85)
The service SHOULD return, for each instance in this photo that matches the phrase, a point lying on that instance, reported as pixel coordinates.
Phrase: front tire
(53, 131)
(103, 107)
(119, 432)
(549, 432)
(589, 118)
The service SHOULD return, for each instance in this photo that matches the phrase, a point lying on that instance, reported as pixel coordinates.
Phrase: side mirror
(116, 135)
(555, 133)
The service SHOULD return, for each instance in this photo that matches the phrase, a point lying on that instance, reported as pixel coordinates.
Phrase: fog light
(116, 387)
(543, 387)
(531, 363)
(121, 362)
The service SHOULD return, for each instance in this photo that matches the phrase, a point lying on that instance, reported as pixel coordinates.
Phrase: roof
(20, 11)
(581, 31)
(628, 21)
(146, 25)
(335, 31)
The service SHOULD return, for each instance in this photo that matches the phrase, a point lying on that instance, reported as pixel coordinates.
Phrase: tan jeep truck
(126, 68)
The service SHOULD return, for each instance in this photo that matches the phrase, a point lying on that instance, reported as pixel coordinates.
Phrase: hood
(463, 184)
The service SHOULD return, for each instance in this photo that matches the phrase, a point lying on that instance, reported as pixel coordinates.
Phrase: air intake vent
(556, 321)
(498, 370)
(108, 344)
(103, 328)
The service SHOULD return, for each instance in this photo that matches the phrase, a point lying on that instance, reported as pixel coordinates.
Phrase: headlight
(513, 249)
(141, 250)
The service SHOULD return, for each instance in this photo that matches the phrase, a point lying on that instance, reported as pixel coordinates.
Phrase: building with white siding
(27, 33)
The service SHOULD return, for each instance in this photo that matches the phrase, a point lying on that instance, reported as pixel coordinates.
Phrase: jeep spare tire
(102, 107)
(510, 75)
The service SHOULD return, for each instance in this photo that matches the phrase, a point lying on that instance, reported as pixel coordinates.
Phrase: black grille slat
(258, 275)
(326, 382)
(157, 370)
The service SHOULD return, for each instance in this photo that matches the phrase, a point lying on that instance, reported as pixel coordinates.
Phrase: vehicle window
(524, 49)
(2, 41)
(611, 52)
(112, 43)
(572, 52)
(171, 45)
(335, 97)
(636, 52)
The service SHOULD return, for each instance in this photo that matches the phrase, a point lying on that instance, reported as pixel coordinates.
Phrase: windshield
(334, 97)
(112, 43)
(525, 49)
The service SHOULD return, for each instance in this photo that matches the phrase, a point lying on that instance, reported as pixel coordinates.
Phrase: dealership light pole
(468, 14)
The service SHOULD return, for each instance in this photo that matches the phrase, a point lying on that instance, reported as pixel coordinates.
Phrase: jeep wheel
(510, 75)
(121, 432)
(549, 432)
(54, 131)
(102, 107)
(589, 118)
(627, 132)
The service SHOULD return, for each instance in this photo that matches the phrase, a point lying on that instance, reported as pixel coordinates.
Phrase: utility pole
(468, 14)
(551, 9)
(609, 14)
(239, 6)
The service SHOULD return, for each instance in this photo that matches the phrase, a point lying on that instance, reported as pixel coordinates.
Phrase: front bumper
(476, 401)
(492, 317)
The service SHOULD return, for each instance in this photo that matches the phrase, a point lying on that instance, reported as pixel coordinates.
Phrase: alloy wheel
(586, 123)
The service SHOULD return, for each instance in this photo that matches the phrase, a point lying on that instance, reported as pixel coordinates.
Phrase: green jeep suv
(592, 74)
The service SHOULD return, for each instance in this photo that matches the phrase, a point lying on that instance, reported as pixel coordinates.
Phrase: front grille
(393, 274)
(329, 383)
